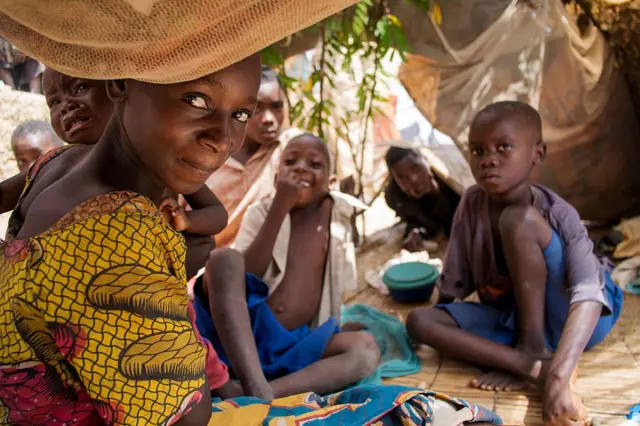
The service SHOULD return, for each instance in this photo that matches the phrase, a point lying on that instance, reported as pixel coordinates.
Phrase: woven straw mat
(158, 41)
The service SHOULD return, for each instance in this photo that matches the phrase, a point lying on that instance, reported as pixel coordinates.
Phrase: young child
(299, 244)
(419, 197)
(247, 177)
(30, 140)
(80, 111)
(545, 297)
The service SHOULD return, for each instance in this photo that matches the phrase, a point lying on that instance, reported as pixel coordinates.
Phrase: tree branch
(320, 105)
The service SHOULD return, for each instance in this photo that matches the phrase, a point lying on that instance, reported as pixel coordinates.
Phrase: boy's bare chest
(297, 298)
(498, 251)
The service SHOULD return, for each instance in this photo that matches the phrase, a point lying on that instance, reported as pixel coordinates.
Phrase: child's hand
(174, 214)
(288, 191)
(413, 242)
(560, 406)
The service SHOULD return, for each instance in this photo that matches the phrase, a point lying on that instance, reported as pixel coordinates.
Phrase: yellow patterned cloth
(93, 319)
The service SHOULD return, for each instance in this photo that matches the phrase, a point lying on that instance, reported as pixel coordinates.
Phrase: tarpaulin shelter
(491, 50)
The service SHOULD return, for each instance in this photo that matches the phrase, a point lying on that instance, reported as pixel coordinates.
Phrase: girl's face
(184, 132)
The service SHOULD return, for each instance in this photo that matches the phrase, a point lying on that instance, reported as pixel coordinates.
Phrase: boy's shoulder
(471, 198)
(347, 205)
(553, 204)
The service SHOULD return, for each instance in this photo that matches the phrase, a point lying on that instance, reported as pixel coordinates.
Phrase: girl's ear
(117, 90)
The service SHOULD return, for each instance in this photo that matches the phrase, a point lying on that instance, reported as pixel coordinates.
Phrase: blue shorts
(281, 351)
(500, 325)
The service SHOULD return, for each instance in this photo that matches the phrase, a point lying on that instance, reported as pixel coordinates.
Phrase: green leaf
(271, 57)
(382, 27)
(379, 110)
(312, 123)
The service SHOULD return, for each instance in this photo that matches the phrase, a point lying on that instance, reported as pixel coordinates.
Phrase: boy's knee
(521, 222)
(419, 317)
(227, 257)
(415, 318)
(223, 268)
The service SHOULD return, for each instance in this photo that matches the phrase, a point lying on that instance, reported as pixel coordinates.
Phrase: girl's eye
(289, 162)
(504, 147)
(241, 116)
(476, 152)
(53, 103)
(316, 164)
(196, 101)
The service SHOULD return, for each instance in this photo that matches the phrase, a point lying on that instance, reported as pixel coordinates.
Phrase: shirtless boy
(283, 348)
(30, 140)
(545, 297)
(80, 111)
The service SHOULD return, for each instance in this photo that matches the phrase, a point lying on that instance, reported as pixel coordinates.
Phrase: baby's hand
(174, 214)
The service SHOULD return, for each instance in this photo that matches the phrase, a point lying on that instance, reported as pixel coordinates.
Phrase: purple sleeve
(455, 280)
(585, 279)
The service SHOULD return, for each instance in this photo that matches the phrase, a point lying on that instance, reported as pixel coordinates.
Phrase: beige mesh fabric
(159, 41)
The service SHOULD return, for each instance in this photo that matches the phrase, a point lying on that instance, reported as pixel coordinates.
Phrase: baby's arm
(10, 191)
(208, 216)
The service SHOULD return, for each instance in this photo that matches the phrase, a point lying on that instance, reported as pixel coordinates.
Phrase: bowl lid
(411, 274)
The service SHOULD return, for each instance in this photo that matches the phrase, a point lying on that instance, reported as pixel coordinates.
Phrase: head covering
(158, 41)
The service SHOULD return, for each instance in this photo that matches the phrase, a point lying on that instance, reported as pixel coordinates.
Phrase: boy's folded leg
(280, 351)
(349, 357)
(557, 300)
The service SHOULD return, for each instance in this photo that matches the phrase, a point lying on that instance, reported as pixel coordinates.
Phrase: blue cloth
(398, 357)
(634, 413)
(500, 325)
(281, 351)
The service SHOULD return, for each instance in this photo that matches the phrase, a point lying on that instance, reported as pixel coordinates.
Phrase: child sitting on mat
(544, 296)
(299, 259)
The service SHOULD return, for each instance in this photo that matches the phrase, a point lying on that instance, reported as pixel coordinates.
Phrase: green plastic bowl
(411, 282)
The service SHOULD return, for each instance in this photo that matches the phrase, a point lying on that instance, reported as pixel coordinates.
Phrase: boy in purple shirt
(545, 297)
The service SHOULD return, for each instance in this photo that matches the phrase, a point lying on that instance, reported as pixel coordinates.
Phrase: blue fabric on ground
(398, 357)
(634, 413)
(281, 351)
(500, 325)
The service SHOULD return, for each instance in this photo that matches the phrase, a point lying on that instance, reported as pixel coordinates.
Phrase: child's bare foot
(499, 381)
(503, 381)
